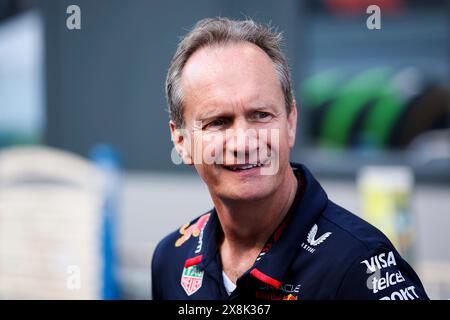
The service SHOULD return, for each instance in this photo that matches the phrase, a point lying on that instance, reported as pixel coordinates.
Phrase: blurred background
(87, 185)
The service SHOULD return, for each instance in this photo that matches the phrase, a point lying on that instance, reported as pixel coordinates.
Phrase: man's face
(234, 111)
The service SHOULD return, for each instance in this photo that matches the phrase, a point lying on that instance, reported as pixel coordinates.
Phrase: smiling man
(273, 233)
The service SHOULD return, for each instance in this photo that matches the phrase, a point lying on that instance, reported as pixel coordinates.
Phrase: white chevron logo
(312, 236)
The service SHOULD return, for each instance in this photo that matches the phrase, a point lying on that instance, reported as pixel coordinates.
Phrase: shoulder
(368, 264)
(170, 255)
(352, 230)
(165, 246)
(180, 241)
(335, 228)
(339, 237)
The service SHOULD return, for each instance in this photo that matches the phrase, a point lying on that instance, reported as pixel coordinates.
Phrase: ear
(181, 143)
(292, 124)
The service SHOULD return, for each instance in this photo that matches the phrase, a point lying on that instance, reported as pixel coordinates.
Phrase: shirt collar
(272, 268)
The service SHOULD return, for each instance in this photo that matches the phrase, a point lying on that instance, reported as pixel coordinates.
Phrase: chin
(245, 193)
(240, 186)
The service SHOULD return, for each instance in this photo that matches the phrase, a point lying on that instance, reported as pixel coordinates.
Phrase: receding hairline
(228, 45)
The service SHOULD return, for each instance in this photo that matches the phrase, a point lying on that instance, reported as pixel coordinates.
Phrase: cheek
(286, 137)
(278, 139)
(205, 147)
(283, 149)
(212, 148)
(206, 173)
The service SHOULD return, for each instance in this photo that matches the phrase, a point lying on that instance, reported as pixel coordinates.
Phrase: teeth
(244, 167)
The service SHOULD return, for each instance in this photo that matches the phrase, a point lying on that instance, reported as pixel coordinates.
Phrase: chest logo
(313, 241)
(192, 279)
(194, 230)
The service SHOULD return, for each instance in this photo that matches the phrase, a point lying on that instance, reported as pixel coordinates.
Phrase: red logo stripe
(193, 261)
(265, 278)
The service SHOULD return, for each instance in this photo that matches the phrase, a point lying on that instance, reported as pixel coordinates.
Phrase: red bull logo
(194, 230)
(284, 292)
(263, 295)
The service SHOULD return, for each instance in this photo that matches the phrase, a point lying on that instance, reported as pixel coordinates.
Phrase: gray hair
(211, 31)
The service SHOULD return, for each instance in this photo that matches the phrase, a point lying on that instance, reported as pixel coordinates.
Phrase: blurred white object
(431, 146)
(436, 276)
(50, 225)
(408, 82)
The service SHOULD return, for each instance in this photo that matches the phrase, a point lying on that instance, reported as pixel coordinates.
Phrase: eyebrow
(210, 114)
(219, 113)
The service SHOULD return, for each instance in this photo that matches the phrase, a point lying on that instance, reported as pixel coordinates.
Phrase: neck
(238, 218)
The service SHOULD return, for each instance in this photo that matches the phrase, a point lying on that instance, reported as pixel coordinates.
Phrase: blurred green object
(349, 104)
(380, 108)
(381, 118)
(320, 88)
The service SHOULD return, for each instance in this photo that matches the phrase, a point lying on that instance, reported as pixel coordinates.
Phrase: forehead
(229, 74)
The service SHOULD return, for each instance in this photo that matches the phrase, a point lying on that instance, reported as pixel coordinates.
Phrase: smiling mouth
(243, 167)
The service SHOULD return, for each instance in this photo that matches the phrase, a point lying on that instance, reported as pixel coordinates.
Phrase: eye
(261, 115)
(217, 123)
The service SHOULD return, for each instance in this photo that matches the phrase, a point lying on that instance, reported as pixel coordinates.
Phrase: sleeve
(381, 274)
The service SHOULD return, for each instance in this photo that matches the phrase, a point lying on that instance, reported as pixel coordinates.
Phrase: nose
(241, 143)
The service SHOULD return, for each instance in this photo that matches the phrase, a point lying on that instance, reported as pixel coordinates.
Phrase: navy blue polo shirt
(321, 251)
